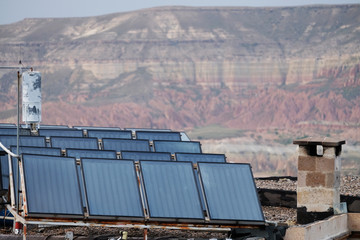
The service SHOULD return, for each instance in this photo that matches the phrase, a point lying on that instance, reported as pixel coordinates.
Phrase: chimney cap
(325, 141)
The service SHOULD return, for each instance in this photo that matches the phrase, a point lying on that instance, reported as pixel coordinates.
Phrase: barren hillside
(262, 75)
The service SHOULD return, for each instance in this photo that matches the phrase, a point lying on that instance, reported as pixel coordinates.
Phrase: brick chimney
(319, 166)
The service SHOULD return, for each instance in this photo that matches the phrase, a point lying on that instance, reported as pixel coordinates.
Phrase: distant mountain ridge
(186, 67)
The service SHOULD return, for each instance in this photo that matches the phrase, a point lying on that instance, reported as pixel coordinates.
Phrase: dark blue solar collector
(74, 142)
(137, 156)
(60, 132)
(112, 188)
(200, 157)
(230, 193)
(90, 153)
(52, 186)
(158, 135)
(177, 146)
(100, 134)
(125, 145)
(171, 191)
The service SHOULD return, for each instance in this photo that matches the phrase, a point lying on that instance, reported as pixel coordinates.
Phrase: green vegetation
(284, 140)
(215, 132)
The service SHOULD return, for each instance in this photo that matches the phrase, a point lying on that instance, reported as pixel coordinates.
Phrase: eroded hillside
(286, 70)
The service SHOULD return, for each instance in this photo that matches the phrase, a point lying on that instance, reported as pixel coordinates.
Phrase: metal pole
(17, 141)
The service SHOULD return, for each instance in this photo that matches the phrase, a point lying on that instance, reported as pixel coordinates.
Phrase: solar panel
(177, 146)
(31, 150)
(60, 132)
(9, 140)
(158, 135)
(74, 142)
(137, 156)
(90, 153)
(200, 157)
(125, 145)
(230, 193)
(112, 189)
(37, 150)
(171, 191)
(100, 134)
(13, 131)
(52, 186)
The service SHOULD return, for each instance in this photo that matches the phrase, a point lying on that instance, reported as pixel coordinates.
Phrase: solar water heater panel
(100, 134)
(230, 193)
(177, 146)
(112, 189)
(51, 186)
(161, 135)
(200, 157)
(90, 153)
(171, 191)
(60, 132)
(37, 150)
(137, 156)
(13, 131)
(125, 145)
(74, 142)
(11, 140)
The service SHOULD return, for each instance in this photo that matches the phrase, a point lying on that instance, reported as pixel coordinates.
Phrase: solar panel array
(130, 174)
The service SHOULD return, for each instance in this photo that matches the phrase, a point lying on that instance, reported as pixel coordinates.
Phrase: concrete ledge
(331, 228)
(354, 222)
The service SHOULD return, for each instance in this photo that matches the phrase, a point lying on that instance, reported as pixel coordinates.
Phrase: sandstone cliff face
(182, 68)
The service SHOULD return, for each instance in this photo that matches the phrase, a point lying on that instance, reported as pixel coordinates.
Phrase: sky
(15, 10)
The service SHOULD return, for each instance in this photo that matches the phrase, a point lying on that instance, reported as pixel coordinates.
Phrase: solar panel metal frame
(96, 128)
(96, 151)
(157, 142)
(146, 153)
(179, 156)
(83, 139)
(158, 135)
(60, 132)
(205, 195)
(28, 198)
(148, 204)
(135, 183)
(148, 129)
(106, 134)
(7, 125)
(54, 126)
(117, 140)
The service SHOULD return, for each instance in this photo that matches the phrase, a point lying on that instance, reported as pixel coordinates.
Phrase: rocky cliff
(189, 68)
